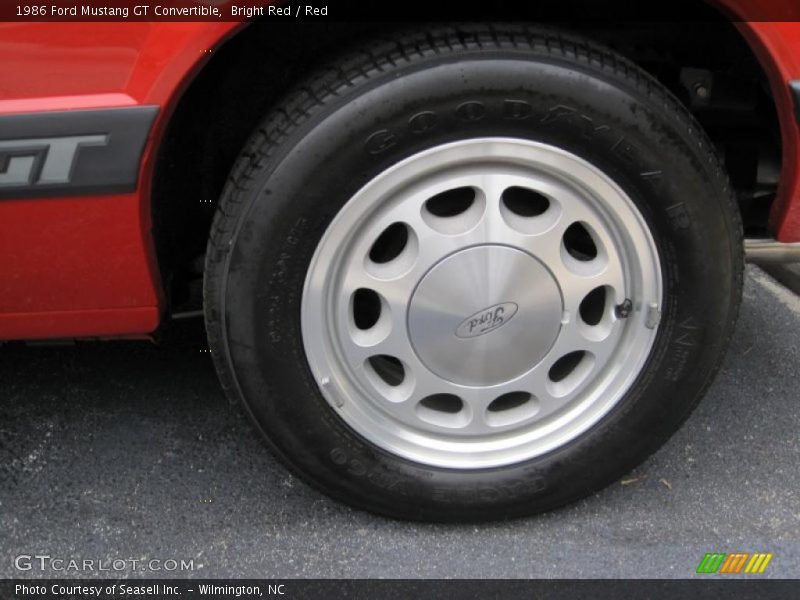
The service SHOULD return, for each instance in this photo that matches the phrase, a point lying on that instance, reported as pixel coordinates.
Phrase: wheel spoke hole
(565, 365)
(367, 308)
(391, 377)
(597, 317)
(528, 211)
(390, 244)
(445, 403)
(525, 202)
(593, 306)
(451, 203)
(444, 410)
(511, 408)
(509, 401)
(579, 243)
(388, 368)
(393, 253)
(569, 371)
(454, 211)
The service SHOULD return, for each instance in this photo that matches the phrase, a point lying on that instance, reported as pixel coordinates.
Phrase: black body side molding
(76, 152)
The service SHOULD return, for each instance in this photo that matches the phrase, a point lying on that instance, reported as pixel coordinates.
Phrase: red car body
(86, 266)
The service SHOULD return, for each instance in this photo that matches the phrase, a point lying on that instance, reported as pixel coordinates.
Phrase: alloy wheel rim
(481, 303)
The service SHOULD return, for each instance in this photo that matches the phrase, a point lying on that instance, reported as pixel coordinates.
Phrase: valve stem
(624, 310)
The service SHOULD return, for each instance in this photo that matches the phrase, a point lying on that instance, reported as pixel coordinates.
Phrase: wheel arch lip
(187, 66)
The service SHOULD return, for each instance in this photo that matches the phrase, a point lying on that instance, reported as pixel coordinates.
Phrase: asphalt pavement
(128, 451)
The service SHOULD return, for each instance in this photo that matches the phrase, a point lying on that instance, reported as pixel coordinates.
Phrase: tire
(553, 98)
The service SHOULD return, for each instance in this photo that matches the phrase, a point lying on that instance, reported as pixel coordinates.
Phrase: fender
(77, 257)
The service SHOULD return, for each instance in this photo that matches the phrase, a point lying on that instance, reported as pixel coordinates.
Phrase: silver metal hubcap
(489, 285)
(481, 303)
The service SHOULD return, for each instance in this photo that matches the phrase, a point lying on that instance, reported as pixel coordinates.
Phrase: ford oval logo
(486, 320)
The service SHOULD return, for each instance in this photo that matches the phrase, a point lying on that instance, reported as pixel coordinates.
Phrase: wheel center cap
(485, 315)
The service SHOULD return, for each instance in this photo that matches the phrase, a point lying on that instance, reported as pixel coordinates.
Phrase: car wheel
(472, 273)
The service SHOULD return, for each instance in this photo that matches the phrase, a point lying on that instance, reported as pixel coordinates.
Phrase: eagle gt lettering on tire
(472, 274)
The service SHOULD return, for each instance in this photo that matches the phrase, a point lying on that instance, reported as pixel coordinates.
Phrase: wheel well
(706, 64)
